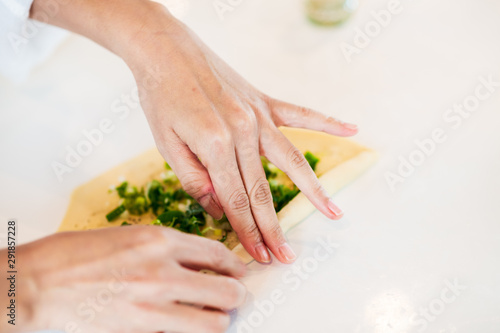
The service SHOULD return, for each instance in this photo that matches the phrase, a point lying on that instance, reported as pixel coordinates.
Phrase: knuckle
(268, 135)
(171, 285)
(304, 112)
(195, 185)
(332, 121)
(317, 189)
(294, 116)
(261, 193)
(275, 234)
(250, 231)
(295, 159)
(247, 149)
(238, 201)
(246, 124)
(219, 143)
(144, 236)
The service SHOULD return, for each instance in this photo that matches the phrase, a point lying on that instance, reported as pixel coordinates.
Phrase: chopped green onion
(170, 216)
(115, 213)
(173, 207)
(217, 232)
(311, 159)
(121, 189)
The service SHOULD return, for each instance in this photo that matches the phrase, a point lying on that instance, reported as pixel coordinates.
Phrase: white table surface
(397, 252)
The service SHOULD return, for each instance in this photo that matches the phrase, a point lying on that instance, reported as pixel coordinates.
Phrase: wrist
(150, 34)
(158, 45)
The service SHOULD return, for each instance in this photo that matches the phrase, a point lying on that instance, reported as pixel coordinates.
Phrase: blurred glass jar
(330, 12)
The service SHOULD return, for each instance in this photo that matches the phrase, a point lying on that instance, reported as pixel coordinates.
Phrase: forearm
(125, 27)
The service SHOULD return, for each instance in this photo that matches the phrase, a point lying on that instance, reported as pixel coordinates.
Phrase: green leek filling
(176, 209)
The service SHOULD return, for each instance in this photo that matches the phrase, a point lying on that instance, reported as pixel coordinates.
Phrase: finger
(199, 253)
(261, 203)
(176, 284)
(215, 291)
(289, 159)
(192, 175)
(286, 114)
(224, 171)
(179, 318)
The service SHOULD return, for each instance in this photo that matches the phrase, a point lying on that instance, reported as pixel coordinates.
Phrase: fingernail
(262, 253)
(335, 209)
(287, 252)
(350, 126)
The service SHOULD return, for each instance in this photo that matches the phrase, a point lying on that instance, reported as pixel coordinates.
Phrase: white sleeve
(25, 43)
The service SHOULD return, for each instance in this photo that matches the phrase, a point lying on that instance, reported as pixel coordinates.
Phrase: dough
(341, 161)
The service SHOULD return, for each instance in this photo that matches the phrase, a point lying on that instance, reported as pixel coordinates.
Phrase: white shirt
(25, 43)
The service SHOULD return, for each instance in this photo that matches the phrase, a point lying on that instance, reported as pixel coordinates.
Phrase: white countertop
(397, 255)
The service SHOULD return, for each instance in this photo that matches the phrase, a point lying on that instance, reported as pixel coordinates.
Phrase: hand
(210, 125)
(127, 279)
